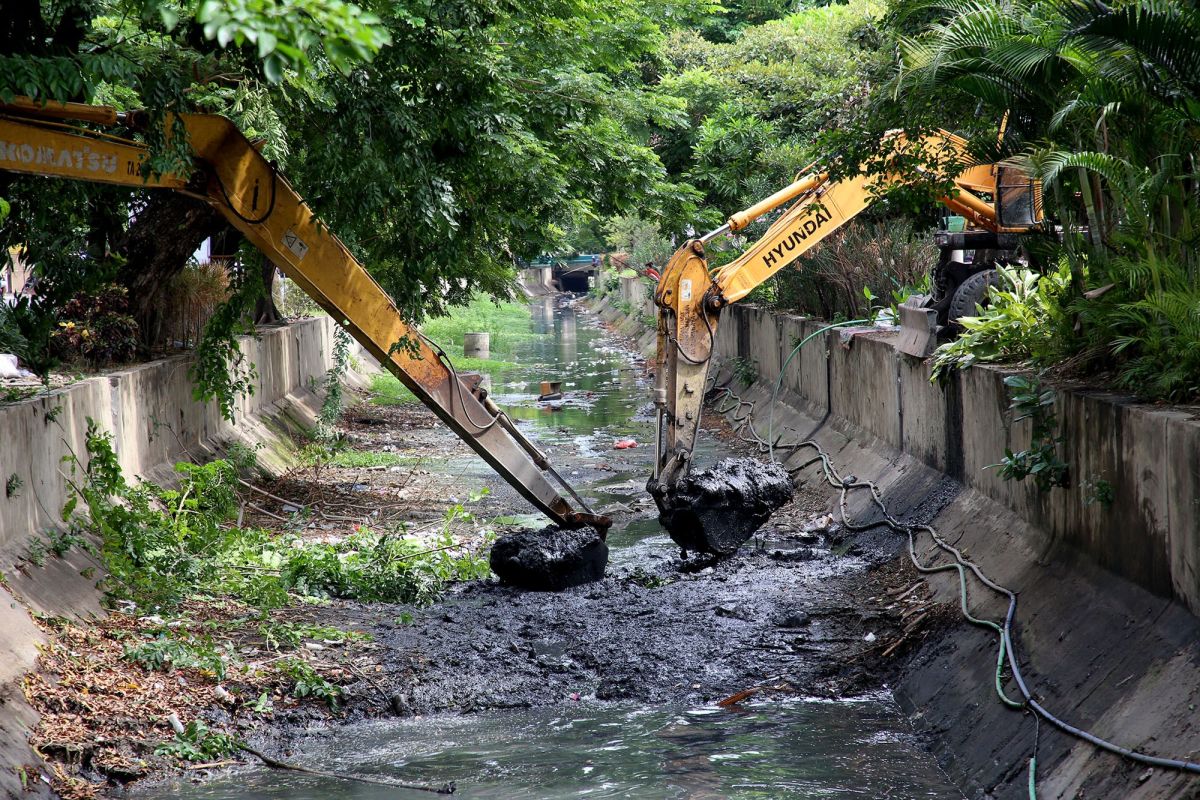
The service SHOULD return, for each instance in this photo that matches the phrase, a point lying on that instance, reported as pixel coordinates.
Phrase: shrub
(841, 277)
(162, 545)
(26, 328)
(194, 296)
(1024, 320)
(96, 328)
(1147, 325)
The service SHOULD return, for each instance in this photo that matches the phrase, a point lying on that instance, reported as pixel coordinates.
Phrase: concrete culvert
(550, 559)
(717, 509)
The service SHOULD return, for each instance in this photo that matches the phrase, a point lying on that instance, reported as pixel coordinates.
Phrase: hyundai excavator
(690, 296)
(77, 141)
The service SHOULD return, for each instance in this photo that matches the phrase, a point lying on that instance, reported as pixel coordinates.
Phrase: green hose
(783, 371)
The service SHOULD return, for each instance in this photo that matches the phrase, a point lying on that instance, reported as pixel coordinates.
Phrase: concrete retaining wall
(154, 422)
(1098, 650)
(1150, 533)
(637, 292)
(536, 281)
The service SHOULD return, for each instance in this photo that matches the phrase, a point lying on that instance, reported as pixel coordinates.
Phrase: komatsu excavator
(232, 176)
(54, 139)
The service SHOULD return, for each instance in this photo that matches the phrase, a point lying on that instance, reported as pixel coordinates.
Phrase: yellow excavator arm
(243, 186)
(690, 297)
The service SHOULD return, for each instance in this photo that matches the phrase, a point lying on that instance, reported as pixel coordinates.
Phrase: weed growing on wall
(745, 370)
(1040, 461)
(331, 407)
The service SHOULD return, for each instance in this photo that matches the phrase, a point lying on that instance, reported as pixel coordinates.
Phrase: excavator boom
(240, 183)
(690, 297)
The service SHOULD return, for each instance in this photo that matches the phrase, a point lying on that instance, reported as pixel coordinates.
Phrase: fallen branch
(738, 697)
(263, 511)
(213, 764)
(274, 763)
(906, 592)
(265, 493)
(364, 676)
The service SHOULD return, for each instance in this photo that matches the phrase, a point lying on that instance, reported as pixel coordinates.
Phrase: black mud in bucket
(717, 509)
(550, 559)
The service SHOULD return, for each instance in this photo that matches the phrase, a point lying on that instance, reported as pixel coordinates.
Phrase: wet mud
(715, 510)
(783, 614)
(780, 612)
(550, 559)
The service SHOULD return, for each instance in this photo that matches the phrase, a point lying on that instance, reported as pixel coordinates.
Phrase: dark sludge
(717, 509)
(550, 559)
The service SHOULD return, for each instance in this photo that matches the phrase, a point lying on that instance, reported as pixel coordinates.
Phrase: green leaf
(273, 68)
(266, 43)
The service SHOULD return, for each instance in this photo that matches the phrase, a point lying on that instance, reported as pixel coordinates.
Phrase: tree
(162, 57)
(1103, 101)
(441, 141)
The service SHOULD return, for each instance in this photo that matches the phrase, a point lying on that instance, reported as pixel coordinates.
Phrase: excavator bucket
(918, 327)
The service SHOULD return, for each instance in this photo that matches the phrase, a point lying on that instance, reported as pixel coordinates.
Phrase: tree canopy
(445, 142)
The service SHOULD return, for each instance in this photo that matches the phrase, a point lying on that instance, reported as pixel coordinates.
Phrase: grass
(354, 459)
(508, 324)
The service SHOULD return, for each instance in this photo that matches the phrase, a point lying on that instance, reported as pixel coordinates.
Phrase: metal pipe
(806, 184)
(721, 231)
(974, 202)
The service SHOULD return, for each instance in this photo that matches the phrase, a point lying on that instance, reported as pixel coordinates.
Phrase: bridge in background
(570, 273)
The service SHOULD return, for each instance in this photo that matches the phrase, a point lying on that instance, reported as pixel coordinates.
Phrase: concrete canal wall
(154, 422)
(1103, 628)
(1150, 456)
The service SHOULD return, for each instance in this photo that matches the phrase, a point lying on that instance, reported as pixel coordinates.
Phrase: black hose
(249, 221)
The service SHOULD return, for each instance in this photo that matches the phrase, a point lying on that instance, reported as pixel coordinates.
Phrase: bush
(96, 328)
(1024, 320)
(1147, 324)
(12, 340)
(195, 294)
(841, 277)
(161, 546)
(25, 331)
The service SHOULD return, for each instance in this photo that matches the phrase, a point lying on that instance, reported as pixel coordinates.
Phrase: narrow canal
(658, 733)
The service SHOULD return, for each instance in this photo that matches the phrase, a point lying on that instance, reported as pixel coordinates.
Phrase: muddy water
(788, 749)
(567, 743)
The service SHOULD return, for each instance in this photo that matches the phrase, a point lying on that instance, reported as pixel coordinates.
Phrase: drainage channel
(611, 690)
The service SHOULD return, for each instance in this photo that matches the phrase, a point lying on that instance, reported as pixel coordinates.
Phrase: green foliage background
(446, 142)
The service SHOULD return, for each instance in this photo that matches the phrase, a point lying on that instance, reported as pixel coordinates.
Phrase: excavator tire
(971, 293)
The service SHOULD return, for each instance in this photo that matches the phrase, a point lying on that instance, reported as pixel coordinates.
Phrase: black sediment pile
(716, 509)
(549, 559)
